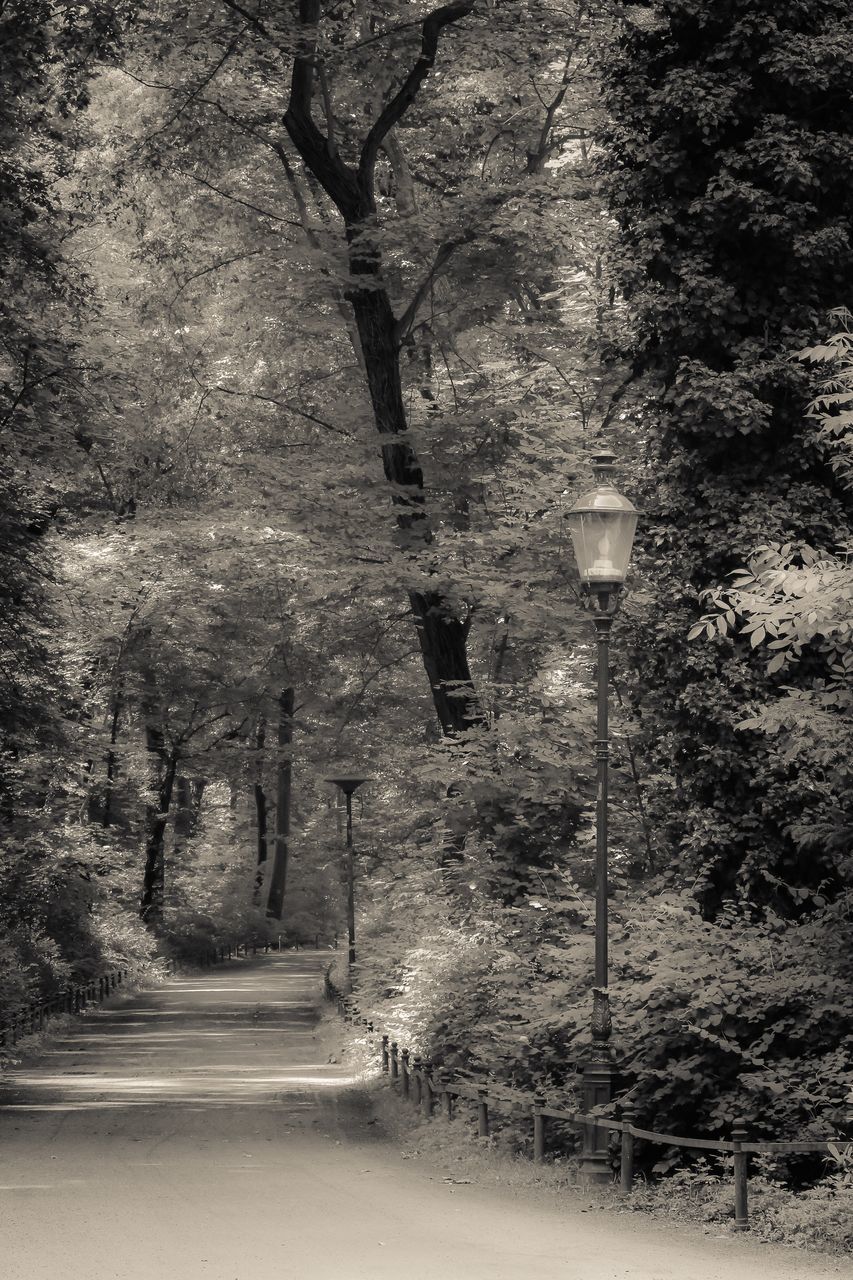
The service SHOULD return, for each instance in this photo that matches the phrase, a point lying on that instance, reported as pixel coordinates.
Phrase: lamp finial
(603, 463)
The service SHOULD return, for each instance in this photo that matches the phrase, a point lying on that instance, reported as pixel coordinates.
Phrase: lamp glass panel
(603, 542)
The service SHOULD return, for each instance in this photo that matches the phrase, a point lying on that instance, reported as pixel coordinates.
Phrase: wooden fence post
(404, 1072)
(427, 1094)
(394, 1064)
(626, 1172)
(385, 1054)
(739, 1135)
(446, 1098)
(483, 1113)
(538, 1129)
(419, 1084)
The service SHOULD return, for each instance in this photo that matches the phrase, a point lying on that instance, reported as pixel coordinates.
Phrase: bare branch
(443, 255)
(226, 195)
(203, 83)
(217, 266)
(405, 188)
(251, 19)
(368, 680)
(432, 28)
(282, 404)
(383, 35)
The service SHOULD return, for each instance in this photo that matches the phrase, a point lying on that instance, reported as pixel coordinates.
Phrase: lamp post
(347, 783)
(602, 524)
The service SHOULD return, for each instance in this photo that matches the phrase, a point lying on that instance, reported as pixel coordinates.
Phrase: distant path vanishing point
(193, 1131)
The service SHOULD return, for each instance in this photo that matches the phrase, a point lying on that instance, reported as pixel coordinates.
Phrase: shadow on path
(236, 1036)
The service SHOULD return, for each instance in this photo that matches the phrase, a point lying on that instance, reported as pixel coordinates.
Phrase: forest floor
(197, 1130)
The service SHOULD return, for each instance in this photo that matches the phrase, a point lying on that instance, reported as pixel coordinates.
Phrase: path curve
(194, 1131)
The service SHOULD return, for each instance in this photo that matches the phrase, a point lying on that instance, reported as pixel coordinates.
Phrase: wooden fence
(33, 1017)
(430, 1090)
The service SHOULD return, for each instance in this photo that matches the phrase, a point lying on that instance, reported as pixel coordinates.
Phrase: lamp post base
(597, 1090)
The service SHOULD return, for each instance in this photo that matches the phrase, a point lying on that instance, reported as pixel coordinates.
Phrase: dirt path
(194, 1131)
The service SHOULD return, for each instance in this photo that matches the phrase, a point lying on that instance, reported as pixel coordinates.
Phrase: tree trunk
(278, 880)
(188, 808)
(101, 804)
(154, 877)
(260, 810)
(441, 633)
(443, 637)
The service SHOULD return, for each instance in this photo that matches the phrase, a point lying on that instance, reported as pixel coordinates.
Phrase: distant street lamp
(602, 524)
(347, 783)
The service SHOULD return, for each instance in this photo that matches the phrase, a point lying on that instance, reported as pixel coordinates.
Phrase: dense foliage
(315, 311)
(728, 162)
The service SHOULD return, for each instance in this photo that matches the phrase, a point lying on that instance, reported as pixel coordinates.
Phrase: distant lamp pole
(602, 524)
(347, 783)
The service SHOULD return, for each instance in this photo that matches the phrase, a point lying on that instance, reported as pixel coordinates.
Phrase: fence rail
(430, 1089)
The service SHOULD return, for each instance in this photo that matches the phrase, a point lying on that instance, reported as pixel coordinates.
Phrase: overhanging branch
(432, 28)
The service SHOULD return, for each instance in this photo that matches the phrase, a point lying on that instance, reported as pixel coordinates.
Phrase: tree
(413, 276)
(441, 633)
(278, 880)
(53, 920)
(728, 172)
(49, 53)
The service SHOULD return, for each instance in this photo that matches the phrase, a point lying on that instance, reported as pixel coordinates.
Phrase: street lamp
(602, 524)
(347, 783)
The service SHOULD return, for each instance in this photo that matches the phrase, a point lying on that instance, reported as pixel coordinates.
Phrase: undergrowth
(819, 1218)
